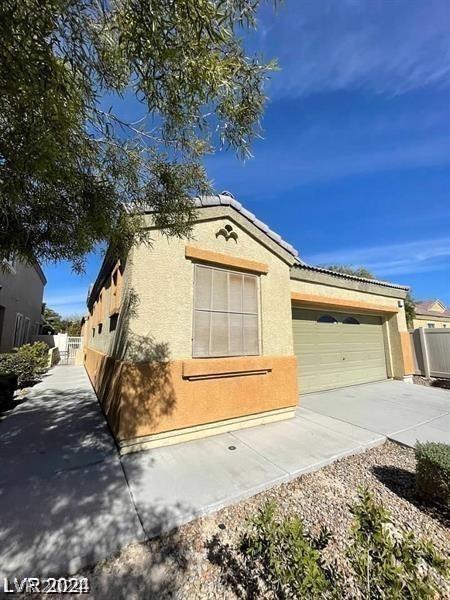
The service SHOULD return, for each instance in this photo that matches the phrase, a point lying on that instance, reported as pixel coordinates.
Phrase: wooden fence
(431, 350)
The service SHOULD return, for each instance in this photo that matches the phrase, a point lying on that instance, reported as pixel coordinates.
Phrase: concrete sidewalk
(64, 500)
(195, 478)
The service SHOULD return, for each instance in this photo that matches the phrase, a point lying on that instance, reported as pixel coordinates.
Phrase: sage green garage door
(337, 349)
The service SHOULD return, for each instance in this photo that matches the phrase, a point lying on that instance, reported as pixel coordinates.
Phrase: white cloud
(387, 47)
(303, 164)
(394, 259)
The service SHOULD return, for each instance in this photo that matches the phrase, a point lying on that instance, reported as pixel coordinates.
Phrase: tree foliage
(70, 324)
(410, 309)
(357, 272)
(72, 168)
(410, 305)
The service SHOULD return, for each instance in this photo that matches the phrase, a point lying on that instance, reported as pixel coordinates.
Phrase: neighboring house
(188, 338)
(21, 292)
(431, 314)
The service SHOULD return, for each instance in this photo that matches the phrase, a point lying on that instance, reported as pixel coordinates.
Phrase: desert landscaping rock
(181, 565)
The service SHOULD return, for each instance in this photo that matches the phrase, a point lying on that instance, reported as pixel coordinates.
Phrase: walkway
(64, 500)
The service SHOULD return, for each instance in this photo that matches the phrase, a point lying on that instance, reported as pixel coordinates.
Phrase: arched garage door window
(326, 319)
(350, 321)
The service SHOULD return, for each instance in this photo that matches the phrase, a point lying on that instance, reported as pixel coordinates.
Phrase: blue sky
(354, 165)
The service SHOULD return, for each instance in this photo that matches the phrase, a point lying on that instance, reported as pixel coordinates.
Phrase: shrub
(285, 558)
(277, 558)
(28, 363)
(433, 472)
(388, 561)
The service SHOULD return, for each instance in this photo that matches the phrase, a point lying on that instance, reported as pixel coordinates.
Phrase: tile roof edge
(380, 282)
(225, 200)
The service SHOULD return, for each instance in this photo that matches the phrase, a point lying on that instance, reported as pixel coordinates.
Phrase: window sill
(208, 368)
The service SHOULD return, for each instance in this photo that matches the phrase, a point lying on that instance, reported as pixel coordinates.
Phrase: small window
(444, 325)
(326, 319)
(431, 326)
(350, 321)
(93, 332)
(113, 322)
(100, 327)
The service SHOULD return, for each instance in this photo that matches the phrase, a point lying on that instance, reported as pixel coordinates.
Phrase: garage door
(337, 349)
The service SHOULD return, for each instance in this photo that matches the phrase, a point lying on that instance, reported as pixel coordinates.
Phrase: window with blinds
(226, 319)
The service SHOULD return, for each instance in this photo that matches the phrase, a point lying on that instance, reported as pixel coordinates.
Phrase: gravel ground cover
(433, 382)
(198, 561)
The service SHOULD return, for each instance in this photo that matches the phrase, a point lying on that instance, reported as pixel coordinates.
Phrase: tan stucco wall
(151, 385)
(107, 341)
(397, 343)
(163, 279)
(423, 322)
(330, 291)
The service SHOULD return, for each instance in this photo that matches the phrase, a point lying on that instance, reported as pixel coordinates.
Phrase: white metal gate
(73, 343)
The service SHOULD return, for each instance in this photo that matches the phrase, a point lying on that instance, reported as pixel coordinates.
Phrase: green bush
(28, 363)
(388, 561)
(433, 472)
(383, 560)
(285, 558)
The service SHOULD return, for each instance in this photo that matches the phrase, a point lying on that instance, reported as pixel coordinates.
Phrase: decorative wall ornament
(228, 233)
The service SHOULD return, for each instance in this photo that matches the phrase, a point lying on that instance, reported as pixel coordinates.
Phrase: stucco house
(188, 338)
(21, 293)
(431, 314)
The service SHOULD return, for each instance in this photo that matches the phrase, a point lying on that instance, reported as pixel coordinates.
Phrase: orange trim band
(216, 367)
(408, 360)
(149, 398)
(225, 260)
(321, 301)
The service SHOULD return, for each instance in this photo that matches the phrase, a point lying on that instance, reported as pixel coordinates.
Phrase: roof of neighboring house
(424, 308)
(228, 200)
(40, 272)
(352, 277)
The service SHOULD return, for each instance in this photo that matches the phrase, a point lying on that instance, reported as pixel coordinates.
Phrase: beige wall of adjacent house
(423, 322)
(21, 292)
(396, 336)
(163, 283)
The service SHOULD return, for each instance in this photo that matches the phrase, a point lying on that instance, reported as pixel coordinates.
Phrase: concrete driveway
(400, 411)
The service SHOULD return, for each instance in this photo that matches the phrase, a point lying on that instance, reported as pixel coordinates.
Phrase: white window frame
(26, 330)
(18, 332)
(257, 314)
